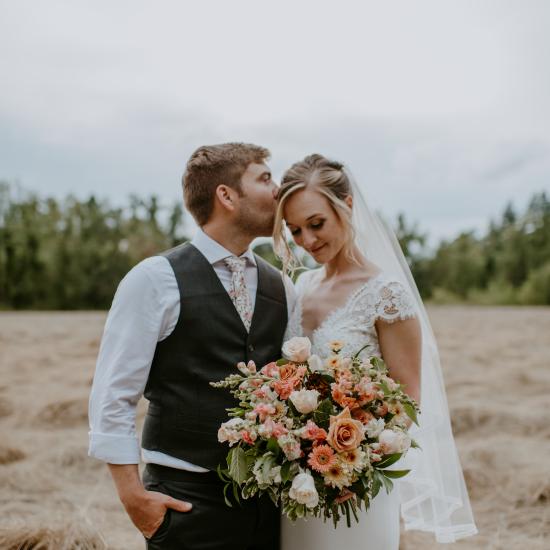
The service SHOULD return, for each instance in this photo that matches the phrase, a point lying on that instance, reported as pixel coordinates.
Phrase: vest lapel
(217, 284)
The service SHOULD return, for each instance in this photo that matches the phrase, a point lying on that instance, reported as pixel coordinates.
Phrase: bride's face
(314, 224)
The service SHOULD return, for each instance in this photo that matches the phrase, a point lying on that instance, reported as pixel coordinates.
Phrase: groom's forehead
(257, 170)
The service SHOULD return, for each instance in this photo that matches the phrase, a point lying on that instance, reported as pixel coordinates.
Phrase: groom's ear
(226, 197)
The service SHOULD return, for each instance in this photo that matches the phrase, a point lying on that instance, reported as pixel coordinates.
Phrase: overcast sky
(440, 108)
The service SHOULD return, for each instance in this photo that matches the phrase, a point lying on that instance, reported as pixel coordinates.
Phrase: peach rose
(345, 433)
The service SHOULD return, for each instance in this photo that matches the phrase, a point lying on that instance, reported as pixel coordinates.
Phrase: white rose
(375, 427)
(305, 401)
(303, 490)
(315, 363)
(394, 442)
(297, 349)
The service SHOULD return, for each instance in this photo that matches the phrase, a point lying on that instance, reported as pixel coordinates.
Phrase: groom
(178, 321)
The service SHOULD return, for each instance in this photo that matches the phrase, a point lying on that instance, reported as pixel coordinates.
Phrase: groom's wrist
(128, 483)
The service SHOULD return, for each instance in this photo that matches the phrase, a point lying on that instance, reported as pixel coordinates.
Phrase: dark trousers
(211, 524)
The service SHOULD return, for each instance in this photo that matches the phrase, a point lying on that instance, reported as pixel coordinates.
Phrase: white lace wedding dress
(381, 297)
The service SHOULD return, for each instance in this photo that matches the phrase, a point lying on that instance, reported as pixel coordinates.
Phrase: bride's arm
(401, 348)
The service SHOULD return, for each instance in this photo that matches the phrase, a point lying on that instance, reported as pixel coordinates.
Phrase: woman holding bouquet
(363, 296)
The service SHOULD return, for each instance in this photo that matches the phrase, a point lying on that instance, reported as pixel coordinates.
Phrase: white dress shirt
(145, 311)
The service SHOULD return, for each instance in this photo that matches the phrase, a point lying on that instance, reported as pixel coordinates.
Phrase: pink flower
(247, 369)
(271, 370)
(263, 410)
(283, 389)
(260, 393)
(362, 415)
(367, 391)
(247, 437)
(291, 377)
(290, 446)
(278, 430)
(313, 432)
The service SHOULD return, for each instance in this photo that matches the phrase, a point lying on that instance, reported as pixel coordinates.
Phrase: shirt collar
(213, 251)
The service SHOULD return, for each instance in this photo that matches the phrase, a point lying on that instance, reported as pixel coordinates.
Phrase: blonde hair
(329, 178)
(213, 165)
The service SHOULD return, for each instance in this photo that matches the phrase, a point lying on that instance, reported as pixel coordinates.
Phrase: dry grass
(53, 496)
(67, 537)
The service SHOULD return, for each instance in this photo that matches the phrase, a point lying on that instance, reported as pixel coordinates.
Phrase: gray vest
(208, 341)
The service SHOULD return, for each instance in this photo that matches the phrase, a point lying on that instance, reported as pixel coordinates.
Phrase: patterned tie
(237, 291)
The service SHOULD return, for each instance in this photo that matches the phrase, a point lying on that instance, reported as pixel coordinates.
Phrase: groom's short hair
(213, 165)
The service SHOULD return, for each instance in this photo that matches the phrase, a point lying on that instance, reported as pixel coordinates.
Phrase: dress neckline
(349, 300)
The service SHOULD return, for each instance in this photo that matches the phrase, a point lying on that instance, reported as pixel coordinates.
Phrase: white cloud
(443, 108)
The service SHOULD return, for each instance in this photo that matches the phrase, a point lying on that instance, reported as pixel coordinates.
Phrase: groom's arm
(144, 311)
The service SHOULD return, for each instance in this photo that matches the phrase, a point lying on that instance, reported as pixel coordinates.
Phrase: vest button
(250, 347)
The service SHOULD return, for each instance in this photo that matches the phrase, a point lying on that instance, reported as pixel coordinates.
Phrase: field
(497, 372)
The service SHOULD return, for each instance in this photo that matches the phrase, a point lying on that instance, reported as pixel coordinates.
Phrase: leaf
(395, 474)
(282, 362)
(285, 471)
(321, 416)
(378, 363)
(415, 445)
(388, 461)
(273, 447)
(376, 486)
(358, 488)
(411, 412)
(388, 484)
(238, 465)
(222, 474)
(227, 501)
(236, 493)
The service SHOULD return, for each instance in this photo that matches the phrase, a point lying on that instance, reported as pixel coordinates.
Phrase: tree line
(72, 253)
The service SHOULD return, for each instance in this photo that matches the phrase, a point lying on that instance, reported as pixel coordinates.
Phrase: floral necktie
(237, 291)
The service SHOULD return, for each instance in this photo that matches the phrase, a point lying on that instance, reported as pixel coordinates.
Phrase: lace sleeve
(394, 303)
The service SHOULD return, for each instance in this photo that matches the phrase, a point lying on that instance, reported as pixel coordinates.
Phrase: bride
(363, 293)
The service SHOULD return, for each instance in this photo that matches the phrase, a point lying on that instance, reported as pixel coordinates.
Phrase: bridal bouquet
(317, 437)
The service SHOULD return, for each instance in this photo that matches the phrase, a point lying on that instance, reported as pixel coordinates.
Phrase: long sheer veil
(434, 497)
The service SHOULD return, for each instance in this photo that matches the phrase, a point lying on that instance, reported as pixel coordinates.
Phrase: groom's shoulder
(153, 268)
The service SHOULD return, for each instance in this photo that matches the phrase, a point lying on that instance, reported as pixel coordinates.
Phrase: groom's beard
(256, 222)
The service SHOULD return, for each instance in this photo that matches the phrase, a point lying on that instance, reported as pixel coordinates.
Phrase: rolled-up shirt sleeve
(144, 311)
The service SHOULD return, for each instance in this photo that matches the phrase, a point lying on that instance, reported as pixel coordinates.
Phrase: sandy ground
(497, 372)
